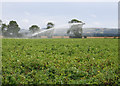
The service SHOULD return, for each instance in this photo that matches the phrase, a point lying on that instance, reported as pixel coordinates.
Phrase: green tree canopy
(0, 22)
(50, 25)
(34, 28)
(75, 30)
(75, 21)
(4, 29)
(13, 28)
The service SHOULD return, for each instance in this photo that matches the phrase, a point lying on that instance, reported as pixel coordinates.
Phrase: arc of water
(50, 32)
(44, 31)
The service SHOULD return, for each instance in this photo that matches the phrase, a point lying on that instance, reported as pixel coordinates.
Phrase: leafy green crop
(60, 61)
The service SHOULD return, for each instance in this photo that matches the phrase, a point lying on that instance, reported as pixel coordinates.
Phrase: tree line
(12, 29)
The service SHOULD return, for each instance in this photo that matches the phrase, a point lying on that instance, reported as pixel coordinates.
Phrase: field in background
(61, 61)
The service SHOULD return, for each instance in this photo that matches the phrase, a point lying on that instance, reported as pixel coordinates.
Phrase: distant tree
(50, 25)
(75, 30)
(13, 29)
(0, 26)
(34, 28)
(0, 22)
(75, 21)
(4, 28)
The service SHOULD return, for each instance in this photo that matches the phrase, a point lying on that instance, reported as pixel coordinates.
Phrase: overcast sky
(94, 14)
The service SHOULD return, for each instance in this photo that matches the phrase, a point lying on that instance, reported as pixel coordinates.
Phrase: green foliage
(60, 61)
(0, 22)
(13, 29)
(75, 21)
(50, 25)
(10, 30)
(34, 28)
(4, 28)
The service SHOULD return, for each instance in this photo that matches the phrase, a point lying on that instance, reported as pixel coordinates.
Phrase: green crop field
(60, 61)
